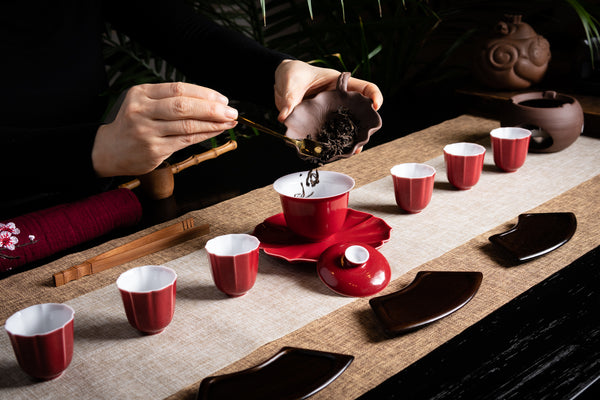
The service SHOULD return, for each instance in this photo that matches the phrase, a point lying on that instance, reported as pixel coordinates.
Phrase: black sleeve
(55, 83)
(52, 100)
(210, 55)
(47, 165)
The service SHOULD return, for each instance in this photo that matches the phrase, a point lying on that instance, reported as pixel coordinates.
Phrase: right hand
(294, 80)
(156, 120)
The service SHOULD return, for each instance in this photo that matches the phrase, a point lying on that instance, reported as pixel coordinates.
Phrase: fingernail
(222, 99)
(231, 113)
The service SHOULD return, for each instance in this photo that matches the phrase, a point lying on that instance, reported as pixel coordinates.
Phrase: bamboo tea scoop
(159, 184)
(307, 147)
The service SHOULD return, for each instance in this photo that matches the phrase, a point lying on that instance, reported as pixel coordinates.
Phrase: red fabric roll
(39, 234)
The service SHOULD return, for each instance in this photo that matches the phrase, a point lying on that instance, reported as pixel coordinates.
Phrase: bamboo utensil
(159, 184)
(151, 243)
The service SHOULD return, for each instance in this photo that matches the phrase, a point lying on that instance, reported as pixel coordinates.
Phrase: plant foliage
(400, 45)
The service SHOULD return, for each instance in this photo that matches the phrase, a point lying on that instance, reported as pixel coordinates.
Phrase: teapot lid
(354, 269)
(513, 26)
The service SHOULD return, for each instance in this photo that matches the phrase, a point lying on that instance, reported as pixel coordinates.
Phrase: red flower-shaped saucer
(277, 240)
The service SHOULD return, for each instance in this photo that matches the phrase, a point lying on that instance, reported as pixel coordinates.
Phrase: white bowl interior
(510, 133)
(464, 149)
(39, 319)
(356, 254)
(330, 184)
(232, 244)
(412, 170)
(146, 278)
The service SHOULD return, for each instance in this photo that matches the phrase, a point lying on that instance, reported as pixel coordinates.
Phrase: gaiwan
(515, 57)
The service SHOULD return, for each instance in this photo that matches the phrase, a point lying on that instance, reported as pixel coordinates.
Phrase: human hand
(294, 80)
(154, 121)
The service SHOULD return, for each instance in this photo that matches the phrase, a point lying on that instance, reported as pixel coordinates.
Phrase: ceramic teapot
(515, 57)
(555, 120)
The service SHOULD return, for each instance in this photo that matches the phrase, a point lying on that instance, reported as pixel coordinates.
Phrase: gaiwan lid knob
(354, 269)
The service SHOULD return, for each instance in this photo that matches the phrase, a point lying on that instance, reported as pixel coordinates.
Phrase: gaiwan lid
(354, 269)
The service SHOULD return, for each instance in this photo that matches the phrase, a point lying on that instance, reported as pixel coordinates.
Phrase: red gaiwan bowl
(354, 269)
(318, 211)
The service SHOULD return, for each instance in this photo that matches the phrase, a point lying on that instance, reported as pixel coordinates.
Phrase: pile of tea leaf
(337, 134)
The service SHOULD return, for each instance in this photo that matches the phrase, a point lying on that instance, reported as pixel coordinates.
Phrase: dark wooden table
(544, 344)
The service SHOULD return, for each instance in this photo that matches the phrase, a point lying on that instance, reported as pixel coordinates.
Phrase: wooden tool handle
(151, 243)
(207, 155)
(130, 185)
(193, 160)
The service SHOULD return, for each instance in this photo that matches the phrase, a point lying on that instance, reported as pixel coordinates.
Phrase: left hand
(295, 80)
(156, 120)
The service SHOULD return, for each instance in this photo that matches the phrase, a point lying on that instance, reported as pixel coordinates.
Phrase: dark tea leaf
(337, 134)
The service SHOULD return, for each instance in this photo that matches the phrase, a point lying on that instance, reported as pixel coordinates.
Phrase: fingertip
(373, 92)
(377, 104)
(283, 114)
(376, 98)
(231, 113)
(222, 99)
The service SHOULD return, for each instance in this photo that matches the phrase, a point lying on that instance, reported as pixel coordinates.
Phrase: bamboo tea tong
(170, 236)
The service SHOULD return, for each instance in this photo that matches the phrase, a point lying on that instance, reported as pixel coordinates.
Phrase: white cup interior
(330, 184)
(464, 149)
(232, 244)
(357, 255)
(510, 133)
(412, 170)
(39, 319)
(147, 278)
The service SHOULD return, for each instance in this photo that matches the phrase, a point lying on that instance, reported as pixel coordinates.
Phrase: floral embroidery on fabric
(9, 240)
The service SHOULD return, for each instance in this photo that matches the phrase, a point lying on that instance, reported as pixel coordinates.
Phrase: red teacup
(234, 262)
(464, 163)
(148, 295)
(42, 339)
(510, 146)
(314, 210)
(413, 185)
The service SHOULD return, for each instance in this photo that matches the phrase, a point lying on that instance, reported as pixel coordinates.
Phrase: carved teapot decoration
(514, 58)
